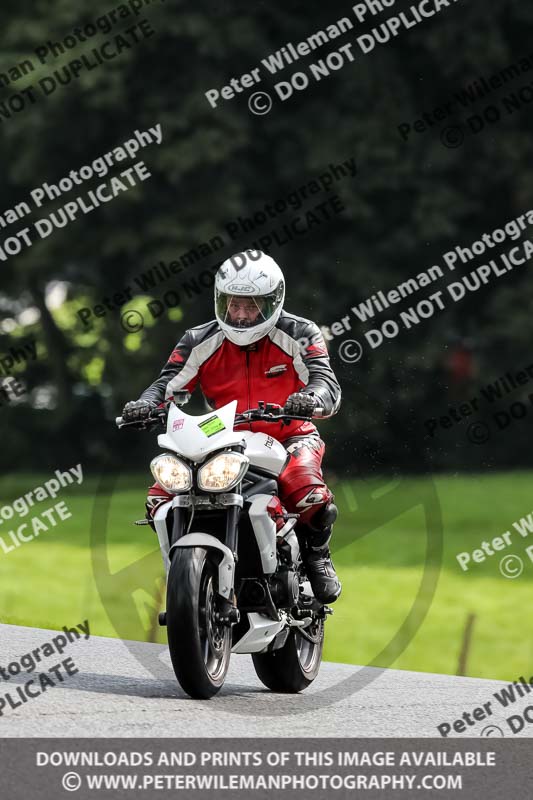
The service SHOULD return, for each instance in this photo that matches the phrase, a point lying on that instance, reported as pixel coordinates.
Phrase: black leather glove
(301, 404)
(137, 410)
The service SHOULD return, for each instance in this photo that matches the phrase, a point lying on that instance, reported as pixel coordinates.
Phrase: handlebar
(272, 412)
(141, 424)
(265, 412)
(158, 414)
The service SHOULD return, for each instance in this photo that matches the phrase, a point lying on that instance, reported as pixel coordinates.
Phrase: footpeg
(141, 522)
(301, 623)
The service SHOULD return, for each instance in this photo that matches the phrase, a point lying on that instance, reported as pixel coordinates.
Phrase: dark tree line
(410, 202)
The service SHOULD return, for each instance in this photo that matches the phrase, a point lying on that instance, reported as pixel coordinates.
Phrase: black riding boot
(317, 557)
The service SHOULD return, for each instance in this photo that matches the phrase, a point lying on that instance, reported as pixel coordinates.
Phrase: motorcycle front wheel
(294, 666)
(200, 646)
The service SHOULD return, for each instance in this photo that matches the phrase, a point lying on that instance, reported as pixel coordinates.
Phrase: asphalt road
(127, 689)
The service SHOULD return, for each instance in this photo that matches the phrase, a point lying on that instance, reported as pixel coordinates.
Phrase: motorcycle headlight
(222, 472)
(171, 473)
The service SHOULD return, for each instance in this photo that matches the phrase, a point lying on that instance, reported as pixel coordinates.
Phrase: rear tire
(200, 648)
(295, 665)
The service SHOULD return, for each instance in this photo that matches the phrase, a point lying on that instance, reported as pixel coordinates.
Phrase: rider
(255, 350)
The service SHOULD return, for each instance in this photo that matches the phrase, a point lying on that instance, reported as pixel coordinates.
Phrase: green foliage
(411, 201)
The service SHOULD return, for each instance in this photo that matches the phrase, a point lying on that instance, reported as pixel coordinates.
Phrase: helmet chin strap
(233, 335)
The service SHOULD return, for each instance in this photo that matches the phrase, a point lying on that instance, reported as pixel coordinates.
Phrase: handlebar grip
(318, 412)
(118, 421)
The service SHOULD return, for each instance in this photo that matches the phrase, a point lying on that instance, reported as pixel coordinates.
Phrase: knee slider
(326, 516)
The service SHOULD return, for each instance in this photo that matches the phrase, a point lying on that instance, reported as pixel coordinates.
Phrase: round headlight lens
(222, 472)
(171, 473)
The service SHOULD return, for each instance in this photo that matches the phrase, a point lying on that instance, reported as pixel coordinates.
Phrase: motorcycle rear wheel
(295, 665)
(200, 647)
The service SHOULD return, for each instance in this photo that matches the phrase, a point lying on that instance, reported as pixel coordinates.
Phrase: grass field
(381, 545)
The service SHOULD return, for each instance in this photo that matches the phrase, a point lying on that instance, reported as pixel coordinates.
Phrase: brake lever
(142, 424)
(265, 414)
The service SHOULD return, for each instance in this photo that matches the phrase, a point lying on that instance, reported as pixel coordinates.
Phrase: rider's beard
(246, 323)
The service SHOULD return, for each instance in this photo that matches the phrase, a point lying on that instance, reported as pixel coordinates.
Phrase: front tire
(200, 647)
(295, 665)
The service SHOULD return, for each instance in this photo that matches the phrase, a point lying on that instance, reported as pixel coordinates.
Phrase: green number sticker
(212, 425)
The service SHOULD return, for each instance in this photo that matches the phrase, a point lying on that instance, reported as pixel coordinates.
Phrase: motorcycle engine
(285, 588)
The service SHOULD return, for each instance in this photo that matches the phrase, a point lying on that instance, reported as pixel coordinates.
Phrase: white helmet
(249, 295)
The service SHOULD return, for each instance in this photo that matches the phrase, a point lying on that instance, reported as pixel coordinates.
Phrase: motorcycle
(236, 582)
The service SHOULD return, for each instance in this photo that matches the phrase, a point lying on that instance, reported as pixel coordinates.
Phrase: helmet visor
(247, 311)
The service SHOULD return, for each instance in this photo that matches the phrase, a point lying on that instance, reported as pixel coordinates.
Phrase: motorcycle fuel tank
(265, 452)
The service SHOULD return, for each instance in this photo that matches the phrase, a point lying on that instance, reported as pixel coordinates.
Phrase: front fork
(226, 601)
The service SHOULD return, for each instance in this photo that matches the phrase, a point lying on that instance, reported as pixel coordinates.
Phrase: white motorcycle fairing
(261, 632)
(265, 452)
(263, 526)
(265, 531)
(195, 437)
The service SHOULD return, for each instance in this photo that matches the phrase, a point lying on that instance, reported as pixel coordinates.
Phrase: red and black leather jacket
(292, 357)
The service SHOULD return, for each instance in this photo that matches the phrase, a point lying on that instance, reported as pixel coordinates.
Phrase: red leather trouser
(302, 489)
